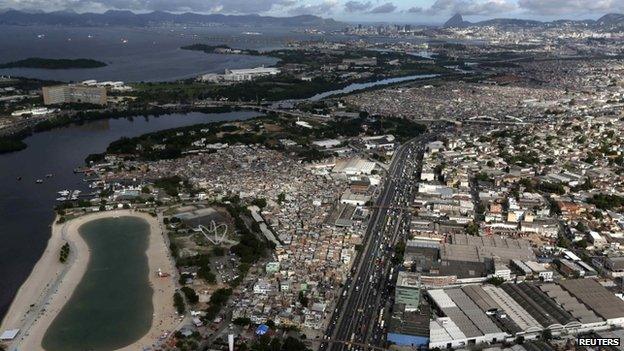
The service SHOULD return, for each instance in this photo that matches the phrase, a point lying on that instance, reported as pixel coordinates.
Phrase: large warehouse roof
(476, 249)
(570, 303)
(596, 297)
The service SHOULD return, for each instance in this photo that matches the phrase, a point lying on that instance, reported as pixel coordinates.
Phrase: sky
(403, 11)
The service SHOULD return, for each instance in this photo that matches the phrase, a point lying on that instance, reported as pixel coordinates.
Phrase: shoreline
(52, 283)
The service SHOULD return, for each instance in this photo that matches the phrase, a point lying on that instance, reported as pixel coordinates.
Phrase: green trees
(242, 321)
(260, 202)
(64, 253)
(191, 295)
(281, 198)
(472, 229)
(218, 299)
(553, 188)
(170, 185)
(607, 202)
(218, 251)
(399, 251)
(265, 343)
(303, 299)
(178, 303)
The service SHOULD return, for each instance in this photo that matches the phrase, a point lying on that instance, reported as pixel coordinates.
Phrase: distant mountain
(128, 18)
(456, 21)
(609, 21)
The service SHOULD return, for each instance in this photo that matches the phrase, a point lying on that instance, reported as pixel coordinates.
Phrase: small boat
(49, 175)
(19, 178)
(63, 192)
(61, 199)
(39, 181)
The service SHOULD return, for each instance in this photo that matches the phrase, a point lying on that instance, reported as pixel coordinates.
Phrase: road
(358, 321)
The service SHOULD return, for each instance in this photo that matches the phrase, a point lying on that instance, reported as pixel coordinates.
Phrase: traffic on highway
(359, 319)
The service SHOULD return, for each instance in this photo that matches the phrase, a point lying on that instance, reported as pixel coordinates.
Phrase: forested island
(219, 49)
(45, 63)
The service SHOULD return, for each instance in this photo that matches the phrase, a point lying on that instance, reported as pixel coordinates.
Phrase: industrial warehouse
(487, 314)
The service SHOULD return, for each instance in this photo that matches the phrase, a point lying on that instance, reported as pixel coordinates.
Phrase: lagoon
(112, 305)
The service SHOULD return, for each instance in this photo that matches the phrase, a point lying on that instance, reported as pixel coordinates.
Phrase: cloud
(385, 8)
(323, 8)
(202, 6)
(357, 6)
(468, 7)
(562, 7)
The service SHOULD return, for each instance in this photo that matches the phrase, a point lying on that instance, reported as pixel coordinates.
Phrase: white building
(240, 75)
(354, 166)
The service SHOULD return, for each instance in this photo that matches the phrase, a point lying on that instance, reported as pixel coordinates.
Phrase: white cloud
(357, 6)
(467, 7)
(563, 7)
(323, 8)
(385, 8)
(202, 6)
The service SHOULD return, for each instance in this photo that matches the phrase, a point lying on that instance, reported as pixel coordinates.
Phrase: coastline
(52, 283)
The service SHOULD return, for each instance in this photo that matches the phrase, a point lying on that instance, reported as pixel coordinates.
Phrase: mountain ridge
(608, 21)
(123, 17)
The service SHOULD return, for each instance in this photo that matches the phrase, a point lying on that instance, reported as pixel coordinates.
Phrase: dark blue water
(132, 54)
(26, 208)
(112, 305)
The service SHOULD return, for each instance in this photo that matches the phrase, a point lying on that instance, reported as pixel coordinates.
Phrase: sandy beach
(51, 284)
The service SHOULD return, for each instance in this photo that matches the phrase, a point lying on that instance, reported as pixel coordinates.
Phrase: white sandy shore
(51, 284)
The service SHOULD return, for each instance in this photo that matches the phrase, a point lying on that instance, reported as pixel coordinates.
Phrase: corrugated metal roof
(513, 310)
(473, 312)
(441, 298)
(596, 297)
(481, 298)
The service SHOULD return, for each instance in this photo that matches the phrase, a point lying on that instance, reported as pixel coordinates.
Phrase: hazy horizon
(353, 11)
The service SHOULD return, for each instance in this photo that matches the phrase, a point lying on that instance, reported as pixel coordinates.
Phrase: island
(46, 63)
(219, 49)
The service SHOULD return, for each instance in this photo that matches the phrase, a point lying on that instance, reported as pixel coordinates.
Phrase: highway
(358, 321)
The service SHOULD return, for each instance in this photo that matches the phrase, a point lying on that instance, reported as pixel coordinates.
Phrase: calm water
(26, 207)
(361, 86)
(112, 305)
(132, 54)
(147, 54)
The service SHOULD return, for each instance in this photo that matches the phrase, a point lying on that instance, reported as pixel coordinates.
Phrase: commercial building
(240, 75)
(476, 314)
(410, 328)
(354, 166)
(38, 111)
(407, 290)
(79, 94)
(464, 258)
(598, 298)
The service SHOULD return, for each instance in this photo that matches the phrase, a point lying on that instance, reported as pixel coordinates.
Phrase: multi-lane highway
(358, 320)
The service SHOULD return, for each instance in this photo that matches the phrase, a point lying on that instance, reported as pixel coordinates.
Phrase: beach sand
(51, 284)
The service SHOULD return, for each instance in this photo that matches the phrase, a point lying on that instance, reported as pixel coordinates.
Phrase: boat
(49, 175)
(61, 199)
(63, 192)
(39, 181)
(19, 178)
